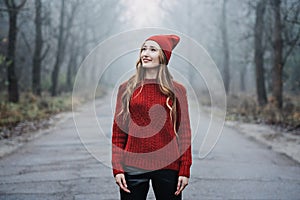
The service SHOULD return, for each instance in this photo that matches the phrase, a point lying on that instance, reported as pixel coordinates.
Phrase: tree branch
(45, 52)
(293, 44)
(26, 41)
(21, 4)
(293, 21)
(8, 4)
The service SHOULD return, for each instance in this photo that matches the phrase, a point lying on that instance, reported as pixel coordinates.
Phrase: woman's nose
(145, 53)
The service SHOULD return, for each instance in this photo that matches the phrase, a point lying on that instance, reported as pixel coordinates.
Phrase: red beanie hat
(167, 43)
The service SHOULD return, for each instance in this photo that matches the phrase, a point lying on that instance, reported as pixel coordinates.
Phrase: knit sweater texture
(147, 139)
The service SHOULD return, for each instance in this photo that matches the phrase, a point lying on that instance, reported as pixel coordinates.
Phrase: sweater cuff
(117, 168)
(184, 170)
(116, 171)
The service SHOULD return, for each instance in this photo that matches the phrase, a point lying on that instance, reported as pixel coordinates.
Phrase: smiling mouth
(146, 60)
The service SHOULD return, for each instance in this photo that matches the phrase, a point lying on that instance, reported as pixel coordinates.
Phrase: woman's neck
(151, 73)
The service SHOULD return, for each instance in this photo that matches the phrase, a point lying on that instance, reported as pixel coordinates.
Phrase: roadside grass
(245, 108)
(33, 112)
(32, 108)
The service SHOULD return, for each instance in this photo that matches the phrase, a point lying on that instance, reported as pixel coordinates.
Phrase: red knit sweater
(147, 140)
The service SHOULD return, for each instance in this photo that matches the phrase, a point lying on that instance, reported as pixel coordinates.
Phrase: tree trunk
(278, 62)
(226, 72)
(242, 79)
(13, 91)
(37, 60)
(259, 54)
(71, 67)
(13, 9)
(59, 52)
(69, 72)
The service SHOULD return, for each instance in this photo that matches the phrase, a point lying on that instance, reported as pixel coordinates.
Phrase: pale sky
(143, 13)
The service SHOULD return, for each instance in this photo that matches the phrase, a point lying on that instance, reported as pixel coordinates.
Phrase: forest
(254, 43)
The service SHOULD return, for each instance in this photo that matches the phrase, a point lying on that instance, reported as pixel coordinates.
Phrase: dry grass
(35, 108)
(32, 108)
(245, 108)
(33, 112)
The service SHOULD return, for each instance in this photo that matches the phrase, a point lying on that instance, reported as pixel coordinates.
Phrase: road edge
(13, 144)
(278, 141)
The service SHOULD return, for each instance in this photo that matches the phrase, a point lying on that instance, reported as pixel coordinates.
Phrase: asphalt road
(58, 166)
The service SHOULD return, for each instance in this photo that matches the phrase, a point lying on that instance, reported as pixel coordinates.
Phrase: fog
(224, 29)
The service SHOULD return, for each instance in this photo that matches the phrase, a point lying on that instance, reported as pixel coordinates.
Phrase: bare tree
(283, 36)
(226, 59)
(72, 63)
(291, 29)
(65, 26)
(37, 56)
(259, 53)
(291, 36)
(277, 51)
(59, 51)
(13, 10)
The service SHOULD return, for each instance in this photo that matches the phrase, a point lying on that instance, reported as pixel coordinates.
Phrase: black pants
(164, 183)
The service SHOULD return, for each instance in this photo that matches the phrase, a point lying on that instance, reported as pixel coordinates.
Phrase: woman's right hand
(120, 180)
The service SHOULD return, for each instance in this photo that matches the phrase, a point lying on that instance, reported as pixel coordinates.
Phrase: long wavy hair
(164, 79)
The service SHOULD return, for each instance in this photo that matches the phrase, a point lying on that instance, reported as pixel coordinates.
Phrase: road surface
(58, 166)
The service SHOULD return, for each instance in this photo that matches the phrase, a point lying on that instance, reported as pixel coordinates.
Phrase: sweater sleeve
(184, 132)
(119, 135)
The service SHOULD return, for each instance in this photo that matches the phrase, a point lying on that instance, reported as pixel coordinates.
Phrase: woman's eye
(153, 49)
(143, 49)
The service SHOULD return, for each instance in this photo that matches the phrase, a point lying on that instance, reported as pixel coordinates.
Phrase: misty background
(254, 44)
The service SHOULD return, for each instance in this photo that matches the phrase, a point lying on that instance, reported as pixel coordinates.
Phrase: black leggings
(164, 183)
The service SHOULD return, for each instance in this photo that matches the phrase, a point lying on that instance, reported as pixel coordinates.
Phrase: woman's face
(150, 53)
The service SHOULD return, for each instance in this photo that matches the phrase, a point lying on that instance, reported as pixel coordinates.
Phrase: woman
(151, 137)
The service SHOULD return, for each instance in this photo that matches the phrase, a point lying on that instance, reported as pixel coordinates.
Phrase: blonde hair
(164, 79)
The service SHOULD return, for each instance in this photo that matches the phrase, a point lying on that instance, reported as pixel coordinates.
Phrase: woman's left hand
(182, 183)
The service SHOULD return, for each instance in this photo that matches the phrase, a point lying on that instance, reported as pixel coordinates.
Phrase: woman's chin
(150, 66)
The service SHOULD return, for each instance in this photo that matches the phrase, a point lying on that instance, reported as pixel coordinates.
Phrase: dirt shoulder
(287, 143)
(16, 141)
